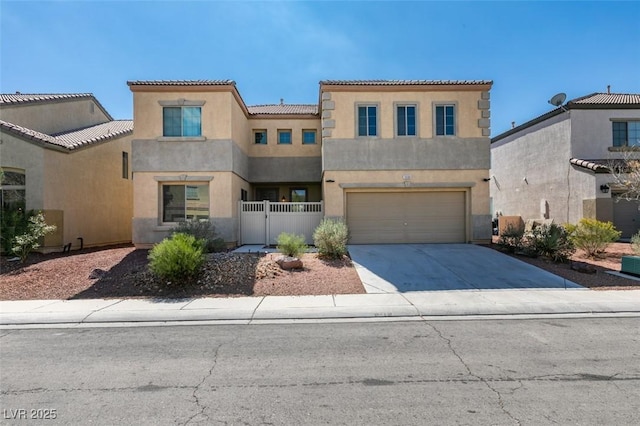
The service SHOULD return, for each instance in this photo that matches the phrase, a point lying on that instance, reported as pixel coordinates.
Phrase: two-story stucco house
(400, 161)
(556, 166)
(65, 155)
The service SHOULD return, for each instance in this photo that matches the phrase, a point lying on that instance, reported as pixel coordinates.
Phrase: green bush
(13, 222)
(551, 241)
(635, 243)
(178, 258)
(26, 242)
(511, 239)
(201, 230)
(593, 236)
(330, 238)
(291, 244)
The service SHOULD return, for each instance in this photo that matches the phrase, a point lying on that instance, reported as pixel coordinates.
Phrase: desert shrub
(511, 239)
(330, 238)
(551, 241)
(201, 230)
(593, 236)
(29, 240)
(291, 244)
(177, 258)
(635, 243)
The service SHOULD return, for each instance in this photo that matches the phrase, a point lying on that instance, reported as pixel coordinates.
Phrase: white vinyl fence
(262, 221)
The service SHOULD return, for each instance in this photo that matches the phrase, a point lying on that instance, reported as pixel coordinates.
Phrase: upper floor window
(626, 133)
(260, 137)
(445, 120)
(284, 137)
(367, 120)
(181, 121)
(12, 190)
(308, 137)
(406, 120)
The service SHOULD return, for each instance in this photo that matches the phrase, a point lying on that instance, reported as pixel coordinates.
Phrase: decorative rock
(97, 273)
(583, 267)
(287, 262)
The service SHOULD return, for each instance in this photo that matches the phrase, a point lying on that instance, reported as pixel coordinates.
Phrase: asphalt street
(502, 372)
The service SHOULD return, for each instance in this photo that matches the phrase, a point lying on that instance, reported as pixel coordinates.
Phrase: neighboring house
(400, 161)
(556, 165)
(65, 155)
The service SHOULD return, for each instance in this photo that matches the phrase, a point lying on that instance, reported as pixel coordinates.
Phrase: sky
(531, 50)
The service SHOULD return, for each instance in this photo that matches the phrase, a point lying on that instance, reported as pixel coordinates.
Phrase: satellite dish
(558, 99)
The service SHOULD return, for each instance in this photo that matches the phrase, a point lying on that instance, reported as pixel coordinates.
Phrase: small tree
(25, 243)
(625, 173)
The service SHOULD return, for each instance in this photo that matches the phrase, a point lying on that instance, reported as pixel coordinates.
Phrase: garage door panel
(406, 217)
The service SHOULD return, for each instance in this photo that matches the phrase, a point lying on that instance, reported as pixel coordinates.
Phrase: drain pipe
(81, 242)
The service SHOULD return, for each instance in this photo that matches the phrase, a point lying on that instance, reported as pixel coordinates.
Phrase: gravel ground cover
(117, 272)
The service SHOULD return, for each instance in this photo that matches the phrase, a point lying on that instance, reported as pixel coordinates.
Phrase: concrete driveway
(393, 268)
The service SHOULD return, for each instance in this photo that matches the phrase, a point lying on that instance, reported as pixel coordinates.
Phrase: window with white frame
(185, 202)
(367, 120)
(181, 121)
(626, 133)
(12, 189)
(445, 120)
(406, 120)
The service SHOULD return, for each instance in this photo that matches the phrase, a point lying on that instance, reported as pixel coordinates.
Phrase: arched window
(12, 189)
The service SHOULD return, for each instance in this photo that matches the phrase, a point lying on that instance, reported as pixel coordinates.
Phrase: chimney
(608, 89)
(281, 101)
(513, 124)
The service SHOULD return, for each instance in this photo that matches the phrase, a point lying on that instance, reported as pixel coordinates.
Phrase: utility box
(631, 265)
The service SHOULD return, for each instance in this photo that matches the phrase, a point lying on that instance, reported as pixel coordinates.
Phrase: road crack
(472, 374)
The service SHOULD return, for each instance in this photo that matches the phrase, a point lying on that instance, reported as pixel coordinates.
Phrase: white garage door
(626, 217)
(406, 217)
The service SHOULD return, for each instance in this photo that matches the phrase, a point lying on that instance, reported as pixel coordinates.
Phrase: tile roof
(180, 82)
(592, 101)
(76, 138)
(403, 82)
(283, 109)
(607, 99)
(598, 166)
(24, 98)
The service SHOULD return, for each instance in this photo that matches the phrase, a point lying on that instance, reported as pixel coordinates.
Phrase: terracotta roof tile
(76, 138)
(24, 98)
(608, 99)
(283, 109)
(403, 82)
(180, 82)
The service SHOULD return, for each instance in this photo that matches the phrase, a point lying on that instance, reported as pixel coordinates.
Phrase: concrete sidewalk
(459, 303)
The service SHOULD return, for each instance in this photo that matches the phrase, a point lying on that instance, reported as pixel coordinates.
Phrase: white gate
(262, 221)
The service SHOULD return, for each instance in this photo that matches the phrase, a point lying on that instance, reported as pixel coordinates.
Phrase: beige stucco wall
(24, 156)
(87, 185)
(54, 117)
(274, 149)
(467, 112)
(216, 112)
(82, 192)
